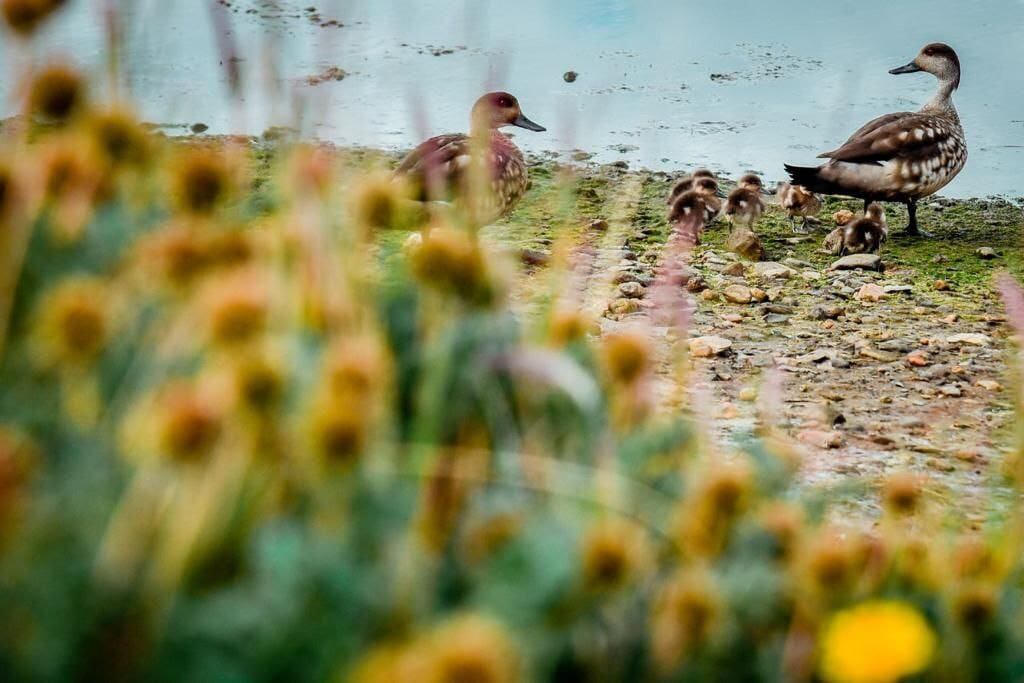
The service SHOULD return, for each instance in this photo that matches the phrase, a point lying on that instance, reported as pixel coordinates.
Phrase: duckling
(688, 214)
(688, 182)
(745, 205)
(451, 167)
(707, 188)
(866, 234)
(798, 201)
(904, 156)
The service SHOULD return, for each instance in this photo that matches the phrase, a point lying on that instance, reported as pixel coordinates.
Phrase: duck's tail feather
(810, 177)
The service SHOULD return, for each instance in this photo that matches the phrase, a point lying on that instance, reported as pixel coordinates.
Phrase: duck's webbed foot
(912, 228)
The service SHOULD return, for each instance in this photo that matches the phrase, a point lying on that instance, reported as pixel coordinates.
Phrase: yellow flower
(568, 326)
(684, 617)
(451, 261)
(18, 463)
(119, 137)
(203, 179)
(74, 323)
(902, 493)
(627, 356)
(238, 309)
(876, 642)
(471, 648)
(190, 423)
(24, 16)
(382, 203)
(614, 554)
(57, 93)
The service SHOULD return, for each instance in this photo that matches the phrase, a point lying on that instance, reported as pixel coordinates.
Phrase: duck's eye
(504, 102)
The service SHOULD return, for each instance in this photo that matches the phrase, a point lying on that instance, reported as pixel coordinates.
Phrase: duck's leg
(912, 228)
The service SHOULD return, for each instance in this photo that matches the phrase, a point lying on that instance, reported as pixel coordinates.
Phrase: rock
(833, 242)
(870, 292)
(734, 318)
(706, 347)
(632, 290)
(898, 289)
(748, 394)
(534, 257)
(709, 295)
(599, 224)
(900, 345)
(811, 275)
(570, 76)
(624, 306)
(758, 295)
(987, 253)
(858, 262)
(970, 338)
(624, 276)
(776, 319)
(941, 286)
(198, 128)
(951, 390)
(746, 244)
(797, 264)
(875, 354)
(918, 359)
(696, 284)
(827, 312)
(734, 269)
(737, 294)
(771, 270)
(990, 385)
(821, 439)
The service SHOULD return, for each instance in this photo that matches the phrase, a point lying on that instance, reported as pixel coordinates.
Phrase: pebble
(990, 385)
(737, 294)
(734, 269)
(748, 394)
(771, 270)
(706, 347)
(858, 262)
(918, 359)
(821, 439)
(570, 76)
(987, 253)
(870, 292)
(624, 306)
(632, 290)
(941, 286)
(970, 338)
(599, 224)
(534, 257)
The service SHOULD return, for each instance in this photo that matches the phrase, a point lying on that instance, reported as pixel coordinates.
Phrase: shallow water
(667, 85)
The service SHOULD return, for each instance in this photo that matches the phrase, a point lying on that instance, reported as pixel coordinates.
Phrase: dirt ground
(918, 380)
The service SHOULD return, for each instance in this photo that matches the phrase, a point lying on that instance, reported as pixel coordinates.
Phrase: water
(664, 85)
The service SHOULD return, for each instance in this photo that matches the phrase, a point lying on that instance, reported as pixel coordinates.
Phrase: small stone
(941, 286)
(876, 354)
(970, 338)
(706, 347)
(870, 292)
(776, 319)
(821, 439)
(858, 262)
(990, 385)
(709, 295)
(733, 318)
(624, 276)
(745, 244)
(534, 257)
(951, 390)
(758, 295)
(624, 306)
(748, 394)
(599, 224)
(696, 284)
(199, 128)
(771, 270)
(811, 275)
(570, 76)
(632, 290)
(918, 359)
(987, 253)
(833, 242)
(734, 269)
(729, 411)
(737, 294)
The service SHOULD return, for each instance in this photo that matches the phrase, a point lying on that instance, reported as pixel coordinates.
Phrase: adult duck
(484, 171)
(904, 156)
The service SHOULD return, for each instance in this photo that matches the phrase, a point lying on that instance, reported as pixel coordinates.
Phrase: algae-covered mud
(662, 85)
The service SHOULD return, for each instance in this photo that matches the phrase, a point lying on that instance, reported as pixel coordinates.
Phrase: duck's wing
(437, 163)
(903, 134)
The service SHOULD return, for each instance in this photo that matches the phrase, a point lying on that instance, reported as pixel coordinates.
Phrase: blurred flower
(614, 554)
(338, 430)
(627, 356)
(568, 326)
(74, 323)
(230, 247)
(310, 172)
(9, 192)
(973, 558)
(119, 137)
(380, 202)
(784, 523)
(450, 261)
(706, 517)
(356, 366)
(202, 179)
(57, 93)
(388, 664)
(484, 539)
(684, 617)
(23, 17)
(902, 493)
(176, 254)
(260, 384)
(72, 182)
(829, 562)
(471, 648)
(18, 462)
(973, 605)
(238, 308)
(190, 422)
(876, 642)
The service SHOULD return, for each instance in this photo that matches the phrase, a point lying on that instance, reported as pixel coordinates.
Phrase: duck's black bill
(523, 122)
(906, 69)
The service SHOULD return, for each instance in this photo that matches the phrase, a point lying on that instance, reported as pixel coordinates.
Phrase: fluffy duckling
(745, 205)
(688, 215)
(689, 182)
(484, 170)
(797, 200)
(866, 234)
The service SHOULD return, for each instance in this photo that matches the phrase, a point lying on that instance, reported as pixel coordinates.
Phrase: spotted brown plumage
(903, 156)
(866, 234)
(484, 172)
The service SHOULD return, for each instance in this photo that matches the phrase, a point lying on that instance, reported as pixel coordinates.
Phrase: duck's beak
(523, 122)
(905, 69)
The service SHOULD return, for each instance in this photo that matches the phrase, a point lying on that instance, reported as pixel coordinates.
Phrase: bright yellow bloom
(876, 642)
